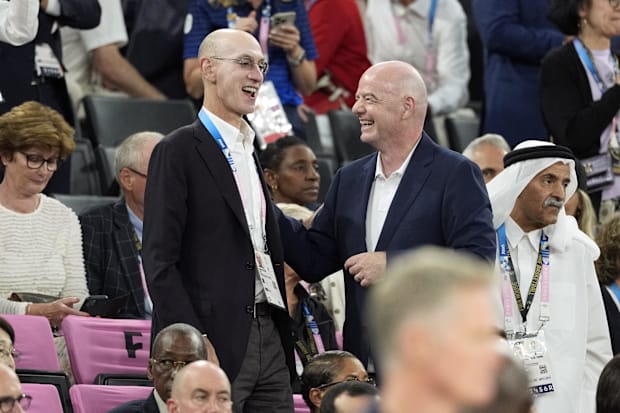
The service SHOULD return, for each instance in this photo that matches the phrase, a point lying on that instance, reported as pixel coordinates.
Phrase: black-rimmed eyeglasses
(137, 172)
(246, 63)
(10, 352)
(167, 364)
(369, 380)
(7, 403)
(36, 161)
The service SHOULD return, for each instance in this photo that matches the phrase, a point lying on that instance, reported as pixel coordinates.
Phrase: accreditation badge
(268, 279)
(532, 351)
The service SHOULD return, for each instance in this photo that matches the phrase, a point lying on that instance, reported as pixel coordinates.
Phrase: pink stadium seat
(34, 342)
(99, 345)
(300, 404)
(45, 398)
(90, 398)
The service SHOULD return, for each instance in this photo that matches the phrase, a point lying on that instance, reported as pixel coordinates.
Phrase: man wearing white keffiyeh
(550, 295)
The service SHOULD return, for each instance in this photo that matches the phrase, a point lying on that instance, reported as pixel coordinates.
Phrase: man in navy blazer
(410, 193)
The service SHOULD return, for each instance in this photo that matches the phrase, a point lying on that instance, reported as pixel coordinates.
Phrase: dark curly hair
(273, 155)
(608, 240)
(565, 15)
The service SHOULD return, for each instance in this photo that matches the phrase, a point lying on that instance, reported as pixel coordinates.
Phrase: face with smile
(232, 74)
(601, 17)
(540, 202)
(21, 173)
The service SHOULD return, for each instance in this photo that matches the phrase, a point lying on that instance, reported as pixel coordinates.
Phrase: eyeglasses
(246, 63)
(614, 3)
(137, 172)
(369, 380)
(167, 364)
(7, 403)
(10, 352)
(36, 162)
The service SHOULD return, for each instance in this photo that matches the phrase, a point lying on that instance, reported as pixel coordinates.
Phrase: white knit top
(40, 252)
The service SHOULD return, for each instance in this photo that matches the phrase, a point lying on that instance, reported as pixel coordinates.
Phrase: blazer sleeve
(164, 223)
(92, 254)
(466, 212)
(502, 30)
(80, 14)
(571, 116)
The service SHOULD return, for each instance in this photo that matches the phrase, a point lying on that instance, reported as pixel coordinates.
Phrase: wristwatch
(298, 60)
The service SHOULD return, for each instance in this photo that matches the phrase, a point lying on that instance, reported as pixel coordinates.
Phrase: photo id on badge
(268, 279)
(532, 351)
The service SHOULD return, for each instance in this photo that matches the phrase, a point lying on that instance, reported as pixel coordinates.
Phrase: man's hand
(57, 310)
(366, 268)
(287, 37)
(247, 24)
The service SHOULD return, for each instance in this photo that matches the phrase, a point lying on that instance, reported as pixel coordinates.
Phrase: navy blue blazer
(441, 200)
(516, 35)
(111, 256)
(149, 405)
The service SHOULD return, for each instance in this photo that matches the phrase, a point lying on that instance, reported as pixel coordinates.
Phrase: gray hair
(492, 139)
(418, 286)
(129, 152)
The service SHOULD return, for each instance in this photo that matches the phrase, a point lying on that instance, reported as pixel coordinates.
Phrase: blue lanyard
(217, 136)
(431, 19)
(615, 289)
(507, 267)
(585, 57)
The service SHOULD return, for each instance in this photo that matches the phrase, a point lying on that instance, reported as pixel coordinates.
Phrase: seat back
(34, 342)
(45, 398)
(461, 130)
(300, 404)
(107, 154)
(110, 120)
(91, 398)
(98, 345)
(85, 174)
(81, 203)
(58, 379)
(346, 131)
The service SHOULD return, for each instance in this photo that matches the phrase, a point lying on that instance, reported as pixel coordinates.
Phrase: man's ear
(409, 106)
(125, 179)
(149, 370)
(315, 396)
(207, 68)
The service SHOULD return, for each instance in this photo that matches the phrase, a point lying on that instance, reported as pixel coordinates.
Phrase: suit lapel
(408, 190)
(220, 170)
(124, 243)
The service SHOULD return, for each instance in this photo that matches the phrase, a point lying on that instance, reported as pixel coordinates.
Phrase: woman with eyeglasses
(40, 238)
(580, 92)
(7, 344)
(326, 370)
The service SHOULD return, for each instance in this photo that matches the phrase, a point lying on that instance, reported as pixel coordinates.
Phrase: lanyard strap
(586, 57)
(432, 11)
(263, 32)
(313, 336)
(137, 242)
(313, 326)
(615, 289)
(541, 273)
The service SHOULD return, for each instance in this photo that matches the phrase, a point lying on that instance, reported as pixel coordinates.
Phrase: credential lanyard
(510, 284)
(314, 328)
(263, 32)
(432, 11)
(217, 136)
(616, 290)
(585, 57)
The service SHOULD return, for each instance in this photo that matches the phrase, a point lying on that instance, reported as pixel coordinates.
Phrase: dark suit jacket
(613, 319)
(573, 119)
(18, 82)
(111, 257)
(198, 254)
(441, 200)
(516, 35)
(148, 405)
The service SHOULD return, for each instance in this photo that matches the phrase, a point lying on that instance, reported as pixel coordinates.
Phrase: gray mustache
(554, 202)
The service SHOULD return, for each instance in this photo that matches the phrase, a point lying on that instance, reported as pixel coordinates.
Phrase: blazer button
(249, 266)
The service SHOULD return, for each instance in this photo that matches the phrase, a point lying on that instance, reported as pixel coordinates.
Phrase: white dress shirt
(241, 145)
(396, 32)
(381, 195)
(19, 21)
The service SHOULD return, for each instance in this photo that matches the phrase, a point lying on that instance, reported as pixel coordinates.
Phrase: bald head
(223, 39)
(200, 384)
(400, 79)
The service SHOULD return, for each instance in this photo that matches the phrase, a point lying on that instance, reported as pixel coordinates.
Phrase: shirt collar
(234, 137)
(161, 404)
(135, 221)
(418, 7)
(514, 234)
(400, 171)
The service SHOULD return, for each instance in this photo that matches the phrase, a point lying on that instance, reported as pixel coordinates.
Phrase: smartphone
(281, 18)
(101, 305)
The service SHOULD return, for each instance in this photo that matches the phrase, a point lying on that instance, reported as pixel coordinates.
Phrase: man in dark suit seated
(411, 192)
(112, 234)
(174, 347)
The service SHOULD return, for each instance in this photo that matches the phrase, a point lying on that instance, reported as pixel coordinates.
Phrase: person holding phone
(287, 43)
